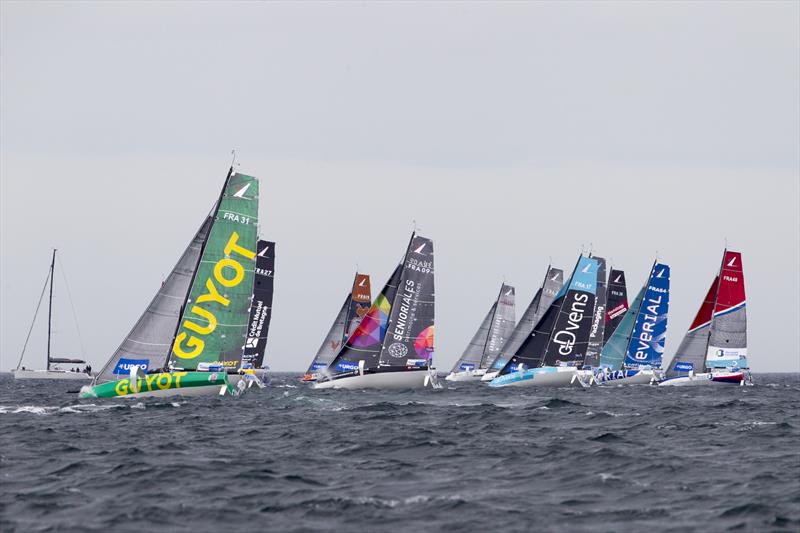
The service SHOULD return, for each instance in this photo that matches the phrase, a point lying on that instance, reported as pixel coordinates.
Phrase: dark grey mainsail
(333, 340)
(596, 334)
(616, 302)
(261, 305)
(553, 280)
(149, 342)
(410, 331)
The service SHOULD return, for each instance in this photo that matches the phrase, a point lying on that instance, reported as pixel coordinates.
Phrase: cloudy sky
(512, 133)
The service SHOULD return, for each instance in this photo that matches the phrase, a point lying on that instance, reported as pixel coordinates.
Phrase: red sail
(731, 285)
(703, 316)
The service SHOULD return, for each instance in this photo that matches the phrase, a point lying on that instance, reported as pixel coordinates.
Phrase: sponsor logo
(408, 298)
(151, 382)
(240, 193)
(421, 247)
(682, 366)
(732, 261)
(346, 366)
(465, 366)
(227, 273)
(566, 338)
(510, 292)
(416, 362)
(124, 365)
(363, 283)
(252, 342)
(619, 278)
(263, 252)
(398, 350)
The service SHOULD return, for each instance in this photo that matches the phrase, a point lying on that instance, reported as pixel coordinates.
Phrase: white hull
(707, 378)
(412, 379)
(545, 377)
(489, 376)
(467, 375)
(51, 374)
(643, 377)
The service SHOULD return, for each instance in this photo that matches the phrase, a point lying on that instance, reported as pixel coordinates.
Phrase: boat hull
(544, 377)
(466, 375)
(708, 378)
(51, 374)
(411, 379)
(489, 376)
(162, 385)
(629, 377)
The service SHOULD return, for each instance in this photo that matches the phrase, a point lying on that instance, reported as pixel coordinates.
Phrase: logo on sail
(240, 193)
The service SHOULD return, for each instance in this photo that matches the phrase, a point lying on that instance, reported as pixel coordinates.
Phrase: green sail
(214, 321)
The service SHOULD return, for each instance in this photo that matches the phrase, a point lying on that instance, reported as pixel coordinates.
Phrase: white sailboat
(53, 368)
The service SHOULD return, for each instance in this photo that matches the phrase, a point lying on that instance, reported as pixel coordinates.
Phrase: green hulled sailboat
(191, 337)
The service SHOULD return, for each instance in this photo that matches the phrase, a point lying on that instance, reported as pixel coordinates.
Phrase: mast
(491, 325)
(196, 266)
(397, 293)
(50, 308)
(713, 306)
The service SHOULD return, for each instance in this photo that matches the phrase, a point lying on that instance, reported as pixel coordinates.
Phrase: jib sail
(148, 343)
(691, 353)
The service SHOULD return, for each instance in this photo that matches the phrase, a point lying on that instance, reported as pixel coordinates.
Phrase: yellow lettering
(233, 247)
(203, 313)
(166, 382)
(193, 342)
(178, 376)
(230, 263)
(213, 295)
(122, 387)
(150, 379)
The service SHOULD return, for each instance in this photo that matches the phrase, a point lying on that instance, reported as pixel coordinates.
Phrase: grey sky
(511, 132)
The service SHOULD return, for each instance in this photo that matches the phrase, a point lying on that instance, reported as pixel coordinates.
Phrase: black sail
(596, 334)
(261, 307)
(410, 331)
(570, 336)
(531, 352)
(616, 302)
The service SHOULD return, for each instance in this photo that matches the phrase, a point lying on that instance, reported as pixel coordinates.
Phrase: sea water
(464, 458)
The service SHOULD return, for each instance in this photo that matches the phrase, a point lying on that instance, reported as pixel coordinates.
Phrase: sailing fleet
(205, 331)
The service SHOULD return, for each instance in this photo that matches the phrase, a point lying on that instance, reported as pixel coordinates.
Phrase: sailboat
(616, 302)
(392, 347)
(354, 308)
(260, 308)
(633, 354)
(554, 353)
(193, 333)
(553, 280)
(489, 340)
(52, 369)
(714, 349)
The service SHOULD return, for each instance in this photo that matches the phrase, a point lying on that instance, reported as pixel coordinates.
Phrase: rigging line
(72, 306)
(41, 296)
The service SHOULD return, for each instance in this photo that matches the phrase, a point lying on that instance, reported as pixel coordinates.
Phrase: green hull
(163, 384)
